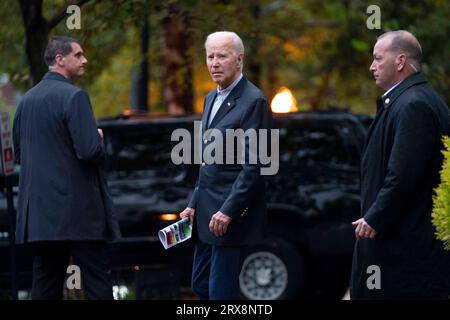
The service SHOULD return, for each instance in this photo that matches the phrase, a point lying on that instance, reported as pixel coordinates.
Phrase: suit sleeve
(16, 134)
(247, 182)
(83, 129)
(415, 141)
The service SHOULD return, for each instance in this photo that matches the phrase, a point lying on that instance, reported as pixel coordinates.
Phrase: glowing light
(168, 216)
(284, 101)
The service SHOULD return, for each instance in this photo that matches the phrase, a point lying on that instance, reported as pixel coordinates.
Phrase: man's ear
(240, 59)
(400, 61)
(59, 59)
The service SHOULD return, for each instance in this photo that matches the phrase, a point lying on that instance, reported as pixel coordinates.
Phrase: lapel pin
(229, 104)
(387, 101)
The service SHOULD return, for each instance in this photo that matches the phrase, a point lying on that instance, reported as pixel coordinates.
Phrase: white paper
(176, 233)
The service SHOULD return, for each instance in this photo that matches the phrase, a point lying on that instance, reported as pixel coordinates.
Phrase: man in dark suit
(228, 203)
(64, 208)
(396, 254)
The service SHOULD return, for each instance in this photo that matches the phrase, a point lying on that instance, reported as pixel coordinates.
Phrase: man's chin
(77, 75)
(379, 84)
(217, 80)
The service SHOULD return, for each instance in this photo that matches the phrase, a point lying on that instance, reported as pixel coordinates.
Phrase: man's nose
(215, 62)
(372, 67)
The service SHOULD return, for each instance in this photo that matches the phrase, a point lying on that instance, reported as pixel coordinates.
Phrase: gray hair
(237, 41)
(58, 45)
(404, 41)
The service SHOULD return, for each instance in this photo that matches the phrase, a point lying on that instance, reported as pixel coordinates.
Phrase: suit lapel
(380, 108)
(414, 79)
(207, 110)
(229, 102)
(388, 100)
(226, 106)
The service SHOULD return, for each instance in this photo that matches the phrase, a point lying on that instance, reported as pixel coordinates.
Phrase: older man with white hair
(228, 206)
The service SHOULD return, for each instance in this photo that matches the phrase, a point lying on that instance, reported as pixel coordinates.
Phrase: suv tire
(272, 270)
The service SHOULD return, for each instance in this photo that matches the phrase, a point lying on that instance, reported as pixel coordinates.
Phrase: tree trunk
(316, 100)
(177, 63)
(253, 55)
(272, 81)
(36, 37)
(139, 99)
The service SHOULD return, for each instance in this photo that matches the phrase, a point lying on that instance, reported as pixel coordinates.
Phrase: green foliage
(428, 20)
(110, 87)
(441, 210)
(320, 49)
(360, 45)
(12, 51)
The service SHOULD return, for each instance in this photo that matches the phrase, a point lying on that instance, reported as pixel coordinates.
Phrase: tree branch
(60, 16)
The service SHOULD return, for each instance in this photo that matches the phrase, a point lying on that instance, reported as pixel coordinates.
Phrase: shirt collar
(392, 88)
(230, 87)
(52, 75)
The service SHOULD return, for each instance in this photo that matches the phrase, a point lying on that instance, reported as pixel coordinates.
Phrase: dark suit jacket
(400, 167)
(237, 190)
(62, 193)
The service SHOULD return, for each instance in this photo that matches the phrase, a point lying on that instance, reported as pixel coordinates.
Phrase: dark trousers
(215, 273)
(52, 259)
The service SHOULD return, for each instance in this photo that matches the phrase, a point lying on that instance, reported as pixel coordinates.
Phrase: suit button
(203, 164)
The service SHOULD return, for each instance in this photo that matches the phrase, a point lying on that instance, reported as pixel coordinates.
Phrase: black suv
(311, 203)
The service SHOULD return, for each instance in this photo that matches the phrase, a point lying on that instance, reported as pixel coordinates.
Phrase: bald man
(396, 253)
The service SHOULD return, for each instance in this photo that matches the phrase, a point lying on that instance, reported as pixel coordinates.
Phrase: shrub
(441, 201)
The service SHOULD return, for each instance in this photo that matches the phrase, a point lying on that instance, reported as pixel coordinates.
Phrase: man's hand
(363, 230)
(100, 132)
(219, 223)
(188, 212)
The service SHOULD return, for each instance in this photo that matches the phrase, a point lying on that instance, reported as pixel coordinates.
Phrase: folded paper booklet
(175, 233)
